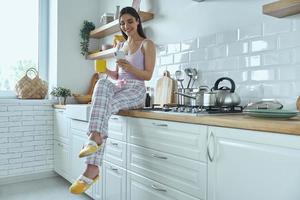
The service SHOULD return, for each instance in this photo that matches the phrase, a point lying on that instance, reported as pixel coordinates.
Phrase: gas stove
(196, 110)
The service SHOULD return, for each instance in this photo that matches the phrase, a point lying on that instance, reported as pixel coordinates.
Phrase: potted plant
(61, 93)
(85, 36)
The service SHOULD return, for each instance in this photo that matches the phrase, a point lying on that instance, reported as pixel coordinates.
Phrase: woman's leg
(131, 96)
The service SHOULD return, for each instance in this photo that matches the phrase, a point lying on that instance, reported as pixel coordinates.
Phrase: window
(23, 41)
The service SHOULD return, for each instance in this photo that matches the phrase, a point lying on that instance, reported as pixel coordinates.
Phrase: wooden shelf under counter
(101, 54)
(282, 8)
(113, 26)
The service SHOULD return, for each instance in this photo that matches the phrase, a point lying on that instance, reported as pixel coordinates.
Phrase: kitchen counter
(242, 121)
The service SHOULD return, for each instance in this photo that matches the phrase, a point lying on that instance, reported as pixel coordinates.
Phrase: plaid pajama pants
(108, 99)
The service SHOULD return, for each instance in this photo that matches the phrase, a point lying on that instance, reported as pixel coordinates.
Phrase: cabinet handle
(211, 157)
(158, 189)
(158, 124)
(59, 144)
(114, 169)
(60, 111)
(159, 157)
(114, 144)
(114, 118)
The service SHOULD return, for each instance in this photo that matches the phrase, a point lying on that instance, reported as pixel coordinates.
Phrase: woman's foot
(89, 177)
(95, 141)
(91, 171)
(94, 136)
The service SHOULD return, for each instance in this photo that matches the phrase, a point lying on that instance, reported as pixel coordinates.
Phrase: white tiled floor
(46, 189)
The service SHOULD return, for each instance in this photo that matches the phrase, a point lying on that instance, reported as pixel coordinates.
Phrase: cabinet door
(114, 182)
(141, 188)
(117, 127)
(252, 165)
(61, 126)
(62, 159)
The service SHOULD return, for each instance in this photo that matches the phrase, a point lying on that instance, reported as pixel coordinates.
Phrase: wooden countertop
(288, 126)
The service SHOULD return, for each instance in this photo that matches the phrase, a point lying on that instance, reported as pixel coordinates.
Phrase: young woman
(108, 98)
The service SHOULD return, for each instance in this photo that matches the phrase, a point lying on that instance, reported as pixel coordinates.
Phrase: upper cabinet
(282, 8)
(109, 29)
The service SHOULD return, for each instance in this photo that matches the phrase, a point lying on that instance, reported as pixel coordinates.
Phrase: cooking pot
(226, 96)
(193, 97)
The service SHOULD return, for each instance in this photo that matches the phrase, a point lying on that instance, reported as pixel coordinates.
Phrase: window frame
(43, 47)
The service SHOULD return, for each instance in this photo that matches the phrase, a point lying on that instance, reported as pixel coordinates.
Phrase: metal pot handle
(216, 86)
(185, 95)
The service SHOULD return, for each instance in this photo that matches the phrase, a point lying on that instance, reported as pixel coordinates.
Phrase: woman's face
(128, 24)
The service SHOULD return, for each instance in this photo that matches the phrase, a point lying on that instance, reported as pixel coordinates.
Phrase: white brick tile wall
(238, 48)
(189, 45)
(216, 51)
(26, 139)
(252, 31)
(277, 58)
(173, 48)
(272, 27)
(181, 57)
(227, 37)
(263, 44)
(198, 55)
(289, 40)
(261, 58)
(206, 41)
(166, 60)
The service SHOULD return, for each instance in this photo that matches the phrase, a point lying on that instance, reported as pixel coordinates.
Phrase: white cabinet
(114, 182)
(248, 165)
(171, 153)
(61, 144)
(114, 166)
(142, 188)
(61, 126)
(79, 138)
(62, 159)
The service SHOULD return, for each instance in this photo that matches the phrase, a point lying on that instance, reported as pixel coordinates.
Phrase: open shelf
(102, 54)
(282, 8)
(113, 26)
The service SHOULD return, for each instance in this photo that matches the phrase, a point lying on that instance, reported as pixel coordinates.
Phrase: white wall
(68, 68)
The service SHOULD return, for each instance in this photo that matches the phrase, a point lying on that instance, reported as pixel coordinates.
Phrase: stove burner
(195, 109)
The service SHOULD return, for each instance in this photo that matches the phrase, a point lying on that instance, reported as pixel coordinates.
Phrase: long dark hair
(131, 11)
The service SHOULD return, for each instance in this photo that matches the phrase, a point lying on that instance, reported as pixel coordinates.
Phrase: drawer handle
(114, 144)
(160, 125)
(159, 157)
(114, 169)
(59, 144)
(114, 118)
(158, 189)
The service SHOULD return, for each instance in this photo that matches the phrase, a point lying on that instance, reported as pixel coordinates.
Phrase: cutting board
(164, 90)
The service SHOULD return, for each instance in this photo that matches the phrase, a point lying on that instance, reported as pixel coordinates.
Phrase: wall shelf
(113, 26)
(102, 54)
(282, 8)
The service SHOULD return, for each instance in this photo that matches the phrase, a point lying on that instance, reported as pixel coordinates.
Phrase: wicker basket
(31, 88)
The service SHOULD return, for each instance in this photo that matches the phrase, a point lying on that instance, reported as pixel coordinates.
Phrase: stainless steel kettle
(226, 96)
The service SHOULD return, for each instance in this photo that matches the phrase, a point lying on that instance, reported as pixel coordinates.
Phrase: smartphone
(119, 55)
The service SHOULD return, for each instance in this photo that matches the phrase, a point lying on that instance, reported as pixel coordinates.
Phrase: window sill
(28, 101)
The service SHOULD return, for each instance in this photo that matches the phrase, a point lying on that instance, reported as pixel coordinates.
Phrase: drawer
(187, 140)
(141, 188)
(115, 152)
(79, 125)
(117, 127)
(184, 174)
